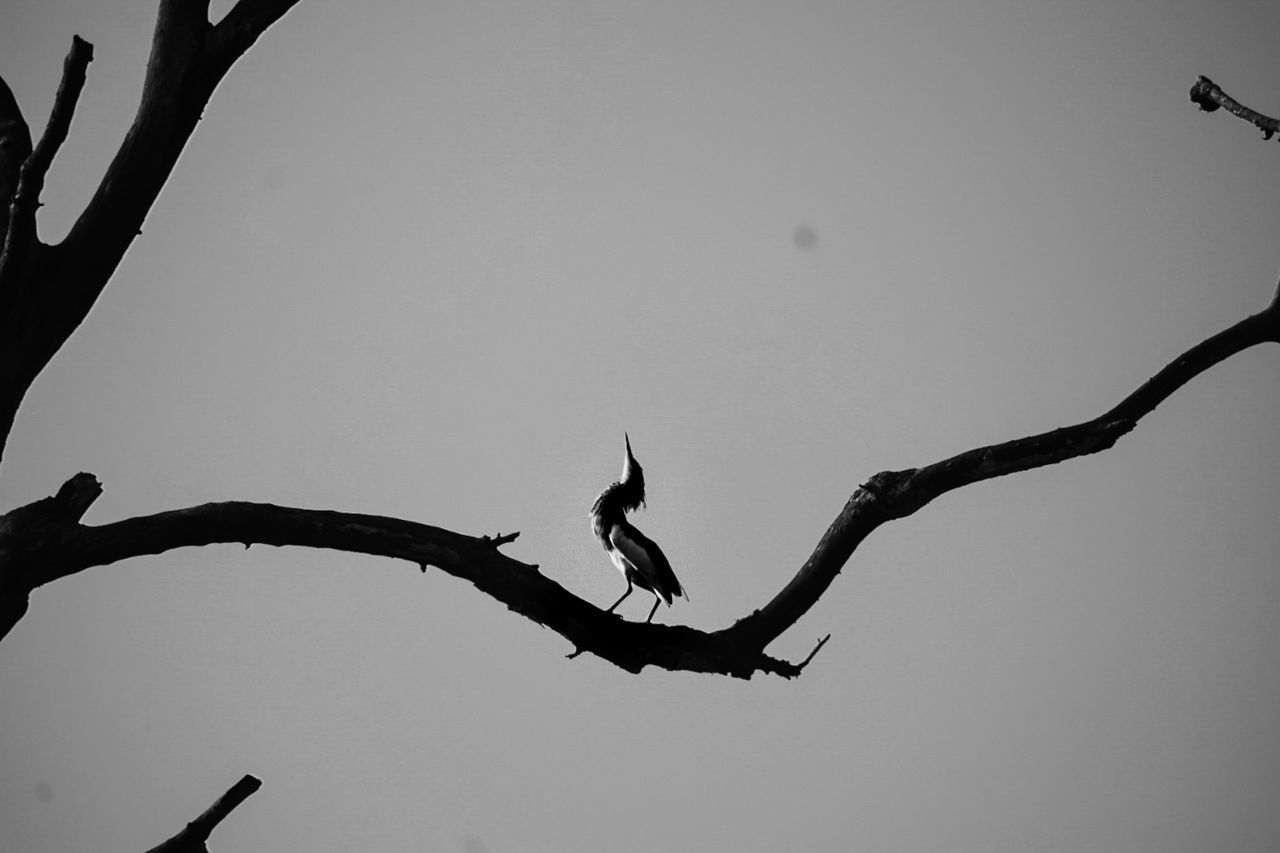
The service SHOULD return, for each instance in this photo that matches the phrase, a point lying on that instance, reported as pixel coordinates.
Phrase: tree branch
(45, 541)
(15, 147)
(19, 240)
(21, 231)
(46, 292)
(241, 27)
(194, 837)
(897, 494)
(1209, 96)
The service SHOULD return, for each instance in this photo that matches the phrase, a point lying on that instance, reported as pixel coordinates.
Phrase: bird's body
(637, 556)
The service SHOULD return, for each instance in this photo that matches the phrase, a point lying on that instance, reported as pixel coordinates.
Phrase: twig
(26, 199)
(194, 836)
(1209, 96)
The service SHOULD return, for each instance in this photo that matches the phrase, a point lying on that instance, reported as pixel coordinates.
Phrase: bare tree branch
(21, 253)
(897, 494)
(45, 541)
(15, 147)
(21, 231)
(241, 27)
(194, 837)
(1209, 96)
(46, 292)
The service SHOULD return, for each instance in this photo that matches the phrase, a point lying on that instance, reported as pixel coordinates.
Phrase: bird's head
(632, 473)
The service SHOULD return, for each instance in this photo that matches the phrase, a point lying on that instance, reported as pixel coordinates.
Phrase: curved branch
(1209, 96)
(58, 546)
(45, 541)
(194, 837)
(897, 494)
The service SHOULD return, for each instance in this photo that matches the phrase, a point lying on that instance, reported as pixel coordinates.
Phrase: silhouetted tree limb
(20, 233)
(46, 291)
(194, 837)
(896, 494)
(22, 174)
(45, 541)
(15, 147)
(1209, 96)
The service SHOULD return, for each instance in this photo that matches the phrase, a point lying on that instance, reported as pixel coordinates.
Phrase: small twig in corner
(1208, 96)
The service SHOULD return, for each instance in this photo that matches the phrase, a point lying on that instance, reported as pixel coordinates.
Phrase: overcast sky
(431, 260)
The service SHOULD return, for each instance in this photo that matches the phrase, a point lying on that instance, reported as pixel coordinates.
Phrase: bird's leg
(656, 600)
(624, 595)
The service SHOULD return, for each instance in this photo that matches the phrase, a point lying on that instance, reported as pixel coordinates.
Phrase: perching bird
(637, 556)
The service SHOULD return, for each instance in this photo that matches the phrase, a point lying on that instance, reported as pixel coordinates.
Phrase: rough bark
(1209, 96)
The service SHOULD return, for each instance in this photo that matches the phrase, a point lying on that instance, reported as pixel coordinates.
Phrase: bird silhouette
(637, 556)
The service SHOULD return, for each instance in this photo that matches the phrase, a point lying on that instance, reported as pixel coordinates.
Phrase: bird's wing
(647, 558)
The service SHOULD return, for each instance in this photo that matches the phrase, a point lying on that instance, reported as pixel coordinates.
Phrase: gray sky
(432, 262)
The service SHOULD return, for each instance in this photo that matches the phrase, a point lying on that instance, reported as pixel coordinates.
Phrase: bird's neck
(621, 497)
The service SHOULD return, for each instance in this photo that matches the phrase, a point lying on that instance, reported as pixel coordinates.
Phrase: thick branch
(15, 147)
(194, 837)
(1209, 96)
(46, 293)
(33, 554)
(188, 59)
(179, 82)
(28, 531)
(45, 541)
(19, 236)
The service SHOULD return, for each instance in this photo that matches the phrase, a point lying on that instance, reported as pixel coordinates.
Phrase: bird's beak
(629, 460)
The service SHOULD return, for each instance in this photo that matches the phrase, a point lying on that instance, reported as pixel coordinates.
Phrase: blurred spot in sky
(44, 791)
(474, 844)
(805, 237)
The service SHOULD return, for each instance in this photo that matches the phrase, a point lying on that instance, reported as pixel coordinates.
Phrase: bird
(637, 556)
